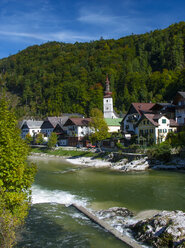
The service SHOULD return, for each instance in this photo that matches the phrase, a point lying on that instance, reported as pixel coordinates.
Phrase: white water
(41, 195)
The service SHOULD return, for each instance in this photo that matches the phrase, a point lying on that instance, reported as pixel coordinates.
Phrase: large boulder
(114, 212)
(166, 229)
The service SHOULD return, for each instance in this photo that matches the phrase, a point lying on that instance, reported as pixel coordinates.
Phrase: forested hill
(56, 78)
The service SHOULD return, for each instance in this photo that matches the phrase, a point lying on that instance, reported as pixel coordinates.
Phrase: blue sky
(27, 22)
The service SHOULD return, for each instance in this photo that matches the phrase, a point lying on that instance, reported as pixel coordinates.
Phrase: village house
(31, 127)
(167, 109)
(50, 124)
(77, 130)
(179, 102)
(128, 124)
(55, 124)
(153, 128)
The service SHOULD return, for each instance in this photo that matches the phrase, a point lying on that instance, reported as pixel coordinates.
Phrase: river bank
(60, 182)
(123, 164)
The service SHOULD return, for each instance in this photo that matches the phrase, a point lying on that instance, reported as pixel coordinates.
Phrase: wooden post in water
(127, 240)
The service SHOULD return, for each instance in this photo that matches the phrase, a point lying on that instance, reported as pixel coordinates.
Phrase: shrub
(52, 140)
(120, 146)
(161, 152)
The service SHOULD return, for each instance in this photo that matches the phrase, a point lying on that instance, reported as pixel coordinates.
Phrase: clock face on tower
(108, 107)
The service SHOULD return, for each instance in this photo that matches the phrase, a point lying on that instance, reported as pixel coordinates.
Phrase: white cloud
(97, 18)
(65, 36)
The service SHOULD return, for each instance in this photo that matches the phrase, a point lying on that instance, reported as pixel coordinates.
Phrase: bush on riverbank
(176, 139)
(160, 152)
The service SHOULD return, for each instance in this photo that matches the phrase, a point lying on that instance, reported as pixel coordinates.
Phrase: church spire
(108, 93)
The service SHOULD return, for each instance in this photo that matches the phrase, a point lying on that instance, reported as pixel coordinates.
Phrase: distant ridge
(56, 78)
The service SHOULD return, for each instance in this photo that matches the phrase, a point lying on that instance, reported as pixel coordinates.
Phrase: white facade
(162, 130)
(148, 131)
(108, 108)
(130, 121)
(179, 101)
(31, 131)
(47, 131)
(78, 131)
(31, 127)
(180, 116)
(113, 129)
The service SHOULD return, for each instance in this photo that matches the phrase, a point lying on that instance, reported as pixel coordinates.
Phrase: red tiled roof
(152, 118)
(142, 107)
(78, 121)
(173, 123)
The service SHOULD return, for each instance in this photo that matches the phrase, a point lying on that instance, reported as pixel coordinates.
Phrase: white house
(128, 124)
(31, 127)
(179, 101)
(153, 128)
(77, 130)
(50, 123)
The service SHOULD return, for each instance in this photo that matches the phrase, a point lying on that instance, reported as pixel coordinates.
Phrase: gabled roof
(51, 122)
(182, 93)
(173, 123)
(179, 94)
(77, 122)
(161, 105)
(32, 124)
(113, 121)
(142, 107)
(139, 107)
(153, 118)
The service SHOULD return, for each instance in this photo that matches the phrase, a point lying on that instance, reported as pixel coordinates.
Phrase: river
(51, 224)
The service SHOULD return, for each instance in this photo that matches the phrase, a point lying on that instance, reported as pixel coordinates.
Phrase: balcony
(132, 119)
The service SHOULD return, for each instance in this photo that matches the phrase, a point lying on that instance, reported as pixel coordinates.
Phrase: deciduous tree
(99, 126)
(16, 177)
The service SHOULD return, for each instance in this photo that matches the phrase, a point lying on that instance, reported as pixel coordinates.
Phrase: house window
(160, 130)
(148, 122)
(143, 122)
(141, 132)
(164, 130)
(146, 131)
(163, 121)
(151, 130)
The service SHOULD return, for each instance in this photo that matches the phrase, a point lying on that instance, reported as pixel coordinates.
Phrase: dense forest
(56, 77)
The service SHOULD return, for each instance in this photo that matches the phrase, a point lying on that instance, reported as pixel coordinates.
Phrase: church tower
(108, 110)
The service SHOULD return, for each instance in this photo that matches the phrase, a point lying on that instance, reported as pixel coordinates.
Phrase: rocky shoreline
(157, 228)
(123, 165)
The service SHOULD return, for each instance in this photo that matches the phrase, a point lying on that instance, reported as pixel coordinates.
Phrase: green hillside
(56, 78)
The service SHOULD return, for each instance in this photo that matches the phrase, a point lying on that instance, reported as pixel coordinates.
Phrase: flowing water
(51, 224)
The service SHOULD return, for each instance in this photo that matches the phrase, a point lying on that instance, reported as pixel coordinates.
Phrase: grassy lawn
(61, 152)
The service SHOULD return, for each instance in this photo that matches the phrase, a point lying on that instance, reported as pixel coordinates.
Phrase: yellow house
(153, 128)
